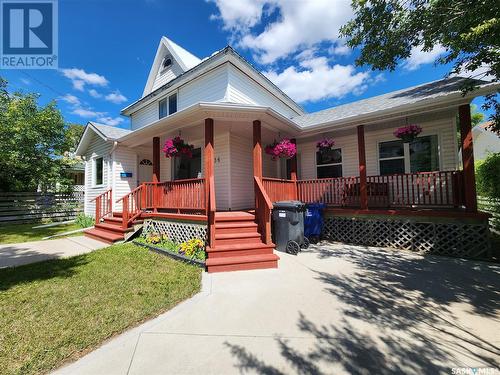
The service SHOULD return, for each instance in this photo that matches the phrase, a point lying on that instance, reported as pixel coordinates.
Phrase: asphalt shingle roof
(110, 132)
(383, 102)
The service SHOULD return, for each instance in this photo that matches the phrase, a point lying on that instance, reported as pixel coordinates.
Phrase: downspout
(112, 175)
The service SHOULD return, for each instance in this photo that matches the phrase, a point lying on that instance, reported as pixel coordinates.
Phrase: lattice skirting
(178, 231)
(464, 240)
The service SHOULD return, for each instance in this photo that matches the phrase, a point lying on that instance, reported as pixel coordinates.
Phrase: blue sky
(106, 48)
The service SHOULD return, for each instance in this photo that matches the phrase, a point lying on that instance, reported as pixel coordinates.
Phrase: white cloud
(80, 78)
(116, 97)
(300, 25)
(95, 94)
(317, 80)
(419, 57)
(71, 99)
(87, 113)
(238, 15)
(111, 121)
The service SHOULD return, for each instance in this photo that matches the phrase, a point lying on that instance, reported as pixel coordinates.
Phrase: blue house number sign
(125, 174)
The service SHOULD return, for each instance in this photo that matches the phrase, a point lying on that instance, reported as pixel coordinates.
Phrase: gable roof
(184, 58)
(433, 91)
(106, 132)
(217, 58)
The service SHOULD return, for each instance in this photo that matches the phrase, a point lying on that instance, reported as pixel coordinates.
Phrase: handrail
(132, 205)
(103, 204)
(280, 189)
(106, 191)
(263, 207)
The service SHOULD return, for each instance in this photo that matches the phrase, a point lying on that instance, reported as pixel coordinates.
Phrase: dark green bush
(488, 176)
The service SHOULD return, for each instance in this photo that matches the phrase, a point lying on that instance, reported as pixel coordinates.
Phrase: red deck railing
(176, 195)
(279, 189)
(103, 204)
(411, 190)
(263, 207)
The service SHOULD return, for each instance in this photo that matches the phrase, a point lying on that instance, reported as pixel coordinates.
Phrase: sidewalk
(17, 254)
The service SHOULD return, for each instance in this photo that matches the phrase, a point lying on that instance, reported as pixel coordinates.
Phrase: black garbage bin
(288, 226)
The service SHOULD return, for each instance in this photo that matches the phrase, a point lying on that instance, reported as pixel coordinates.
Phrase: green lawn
(24, 232)
(56, 310)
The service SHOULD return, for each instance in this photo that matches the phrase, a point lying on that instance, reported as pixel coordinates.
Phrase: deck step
(234, 216)
(239, 263)
(112, 227)
(103, 235)
(237, 238)
(113, 220)
(242, 249)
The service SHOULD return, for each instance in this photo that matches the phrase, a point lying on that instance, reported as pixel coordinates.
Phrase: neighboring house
(77, 174)
(485, 141)
(229, 111)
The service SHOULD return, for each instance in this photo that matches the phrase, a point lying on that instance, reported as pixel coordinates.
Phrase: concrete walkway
(17, 254)
(334, 309)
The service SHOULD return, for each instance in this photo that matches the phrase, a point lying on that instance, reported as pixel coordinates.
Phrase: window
(391, 157)
(145, 162)
(98, 171)
(168, 105)
(329, 164)
(188, 167)
(422, 155)
(172, 104)
(167, 62)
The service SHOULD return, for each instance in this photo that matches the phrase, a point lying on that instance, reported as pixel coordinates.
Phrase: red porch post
(257, 150)
(363, 193)
(209, 175)
(156, 159)
(467, 158)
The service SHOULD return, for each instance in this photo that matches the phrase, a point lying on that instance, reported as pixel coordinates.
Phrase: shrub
(488, 176)
(84, 221)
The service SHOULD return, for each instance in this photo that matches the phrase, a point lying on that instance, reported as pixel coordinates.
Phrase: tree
(73, 133)
(32, 142)
(388, 30)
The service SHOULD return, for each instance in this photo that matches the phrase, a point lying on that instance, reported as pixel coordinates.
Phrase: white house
(226, 109)
(486, 142)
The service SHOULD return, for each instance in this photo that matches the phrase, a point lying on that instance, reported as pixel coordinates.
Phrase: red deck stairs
(238, 244)
(110, 230)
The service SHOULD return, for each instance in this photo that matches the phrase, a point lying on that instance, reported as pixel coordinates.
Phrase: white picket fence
(492, 206)
(26, 207)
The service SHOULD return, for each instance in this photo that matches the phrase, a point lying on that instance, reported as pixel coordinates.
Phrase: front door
(145, 171)
(188, 167)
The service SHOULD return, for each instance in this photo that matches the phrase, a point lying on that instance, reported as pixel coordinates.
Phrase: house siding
(442, 124)
(124, 160)
(97, 147)
(211, 87)
(242, 189)
(223, 180)
(145, 116)
(242, 89)
(166, 76)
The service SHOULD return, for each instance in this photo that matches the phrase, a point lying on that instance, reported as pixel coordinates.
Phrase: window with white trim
(168, 106)
(421, 155)
(329, 164)
(98, 171)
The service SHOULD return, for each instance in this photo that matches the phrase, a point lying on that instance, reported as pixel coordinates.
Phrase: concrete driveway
(16, 254)
(333, 309)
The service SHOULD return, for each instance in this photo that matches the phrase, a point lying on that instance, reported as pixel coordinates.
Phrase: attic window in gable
(167, 62)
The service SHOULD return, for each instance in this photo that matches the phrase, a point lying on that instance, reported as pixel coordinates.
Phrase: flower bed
(192, 251)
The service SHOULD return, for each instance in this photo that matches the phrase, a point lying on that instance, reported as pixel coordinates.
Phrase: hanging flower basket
(326, 145)
(408, 133)
(177, 147)
(282, 149)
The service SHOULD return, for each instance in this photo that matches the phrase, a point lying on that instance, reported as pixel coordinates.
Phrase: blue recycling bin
(313, 221)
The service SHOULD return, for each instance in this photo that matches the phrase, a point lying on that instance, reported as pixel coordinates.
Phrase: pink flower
(325, 144)
(409, 131)
(282, 149)
(176, 146)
